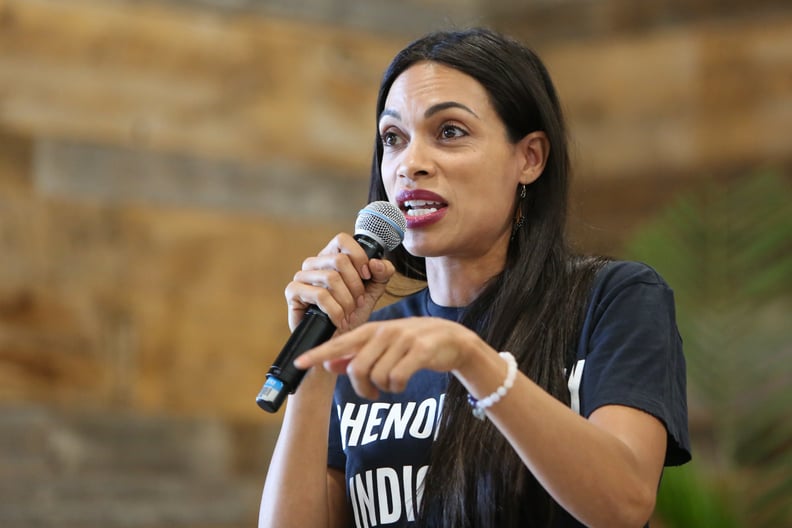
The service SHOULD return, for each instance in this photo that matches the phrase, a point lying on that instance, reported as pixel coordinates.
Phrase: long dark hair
(532, 308)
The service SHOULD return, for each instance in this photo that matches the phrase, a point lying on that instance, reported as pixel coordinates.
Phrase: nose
(416, 161)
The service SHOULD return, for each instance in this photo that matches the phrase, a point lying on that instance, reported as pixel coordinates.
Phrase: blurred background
(166, 165)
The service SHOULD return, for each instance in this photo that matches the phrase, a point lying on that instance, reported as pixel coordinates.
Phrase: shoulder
(620, 278)
(623, 273)
(629, 298)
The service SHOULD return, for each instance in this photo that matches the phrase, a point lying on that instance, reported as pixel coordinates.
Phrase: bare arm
(604, 470)
(300, 490)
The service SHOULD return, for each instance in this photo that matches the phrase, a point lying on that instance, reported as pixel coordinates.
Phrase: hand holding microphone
(380, 226)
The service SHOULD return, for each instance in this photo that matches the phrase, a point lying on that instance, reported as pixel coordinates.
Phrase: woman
(582, 413)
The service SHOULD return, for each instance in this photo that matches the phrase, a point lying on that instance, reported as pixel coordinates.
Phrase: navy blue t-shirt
(629, 353)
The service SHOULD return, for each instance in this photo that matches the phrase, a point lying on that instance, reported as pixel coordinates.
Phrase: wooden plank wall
(165, 166)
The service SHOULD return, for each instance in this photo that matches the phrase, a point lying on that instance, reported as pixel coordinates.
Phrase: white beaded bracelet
(479, 406)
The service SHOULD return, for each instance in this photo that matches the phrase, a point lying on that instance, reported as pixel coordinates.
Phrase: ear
(534, 149)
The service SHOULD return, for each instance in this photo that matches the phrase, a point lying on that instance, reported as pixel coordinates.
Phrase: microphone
(379, 226)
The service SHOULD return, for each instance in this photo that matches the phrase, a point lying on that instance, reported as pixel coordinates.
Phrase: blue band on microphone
(390, 222)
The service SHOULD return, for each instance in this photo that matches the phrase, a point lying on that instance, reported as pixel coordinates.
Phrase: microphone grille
(382, 221)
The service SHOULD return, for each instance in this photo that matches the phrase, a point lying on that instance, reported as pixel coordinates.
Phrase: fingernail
(365, 272)
(300, 362)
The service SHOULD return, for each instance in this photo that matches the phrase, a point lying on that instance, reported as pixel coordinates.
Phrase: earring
(519, 219)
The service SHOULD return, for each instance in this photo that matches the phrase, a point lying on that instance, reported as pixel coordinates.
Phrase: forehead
(426, 83)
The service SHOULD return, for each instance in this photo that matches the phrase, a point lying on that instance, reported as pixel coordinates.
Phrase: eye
(449, 131)
(390, 139)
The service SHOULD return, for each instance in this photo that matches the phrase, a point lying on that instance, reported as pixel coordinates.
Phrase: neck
(456, 282)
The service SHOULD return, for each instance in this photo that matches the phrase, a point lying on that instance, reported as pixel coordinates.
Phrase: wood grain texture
(696, 97)
(175, 80)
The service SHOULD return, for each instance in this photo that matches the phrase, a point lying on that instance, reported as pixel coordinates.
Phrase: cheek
(388, 178)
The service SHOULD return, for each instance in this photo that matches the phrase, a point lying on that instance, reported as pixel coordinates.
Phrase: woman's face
(448, 164)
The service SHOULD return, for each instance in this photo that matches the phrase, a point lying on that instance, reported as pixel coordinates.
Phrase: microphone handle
(283, 377)
(315, 328)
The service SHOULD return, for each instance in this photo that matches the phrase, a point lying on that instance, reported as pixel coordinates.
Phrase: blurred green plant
(692, 498)
(726, 250)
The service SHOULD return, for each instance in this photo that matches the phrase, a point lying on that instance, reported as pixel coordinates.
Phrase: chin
(418, 246)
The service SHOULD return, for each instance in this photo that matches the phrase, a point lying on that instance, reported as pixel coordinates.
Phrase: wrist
(481, 405)
(482, 372)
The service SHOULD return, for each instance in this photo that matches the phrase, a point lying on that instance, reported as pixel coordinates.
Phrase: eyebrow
(432, 110)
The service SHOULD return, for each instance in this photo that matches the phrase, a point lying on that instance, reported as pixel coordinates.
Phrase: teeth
(420, 212)
(421, 207)
(419, 203)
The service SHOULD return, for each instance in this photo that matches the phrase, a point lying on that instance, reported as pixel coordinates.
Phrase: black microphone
(379, 226)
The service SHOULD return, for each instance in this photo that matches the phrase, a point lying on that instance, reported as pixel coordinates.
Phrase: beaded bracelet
(479, 406)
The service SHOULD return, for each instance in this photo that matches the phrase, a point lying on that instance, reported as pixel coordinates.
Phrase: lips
(421, 207)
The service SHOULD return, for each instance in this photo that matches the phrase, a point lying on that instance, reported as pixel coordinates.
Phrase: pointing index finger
(338, 347)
